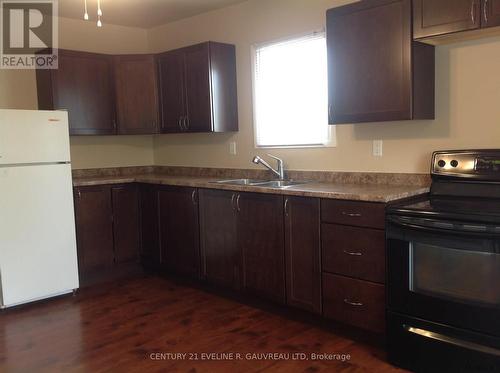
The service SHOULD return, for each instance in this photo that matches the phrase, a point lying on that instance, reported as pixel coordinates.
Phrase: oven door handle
(452, 340)
(457, 228)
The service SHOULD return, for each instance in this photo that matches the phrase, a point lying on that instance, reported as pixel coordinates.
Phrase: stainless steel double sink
(280, 184)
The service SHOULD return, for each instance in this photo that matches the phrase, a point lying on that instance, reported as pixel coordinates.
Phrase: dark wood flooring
(116, 328)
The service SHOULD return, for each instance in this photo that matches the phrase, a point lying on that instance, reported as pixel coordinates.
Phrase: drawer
(354, 302)
(362, 214)
(354, 252)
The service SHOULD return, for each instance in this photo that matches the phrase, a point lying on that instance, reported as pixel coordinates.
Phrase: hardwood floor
(121, 326)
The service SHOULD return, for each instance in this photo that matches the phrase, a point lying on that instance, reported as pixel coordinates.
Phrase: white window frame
(332, 129)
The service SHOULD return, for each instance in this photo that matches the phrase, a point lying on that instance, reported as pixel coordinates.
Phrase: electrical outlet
(232, 148)
(378, 148)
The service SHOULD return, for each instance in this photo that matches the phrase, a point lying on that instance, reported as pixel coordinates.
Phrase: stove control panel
(476, 164)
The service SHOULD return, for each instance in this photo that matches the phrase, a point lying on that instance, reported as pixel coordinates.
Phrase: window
(290, 93)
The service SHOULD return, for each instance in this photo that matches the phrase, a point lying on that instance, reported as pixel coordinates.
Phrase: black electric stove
(443, 264)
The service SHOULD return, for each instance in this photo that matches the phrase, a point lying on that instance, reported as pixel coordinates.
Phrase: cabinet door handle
(238, 203)
(351, 214)
(193, 197)
(79, 194)
(350, 303)
(329, 112)
(485, 11)
(352, 253)
(186, 123)
(286, 206)
(179, 123)
(473, 11)
(232, 201)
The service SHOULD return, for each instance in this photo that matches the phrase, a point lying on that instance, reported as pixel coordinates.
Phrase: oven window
(456, 274)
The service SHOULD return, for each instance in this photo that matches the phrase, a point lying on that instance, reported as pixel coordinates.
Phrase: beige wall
(467, 104)
(18, 91)
(467, 88)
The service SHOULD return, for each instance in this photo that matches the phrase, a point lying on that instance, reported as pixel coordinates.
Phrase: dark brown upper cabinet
(438, 17)
(490, 13)
(136, 94)
(197, 87)
(435, 18)
(82, 85)
(375, 70)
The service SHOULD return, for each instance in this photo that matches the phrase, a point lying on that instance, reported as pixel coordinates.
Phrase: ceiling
(141, 13)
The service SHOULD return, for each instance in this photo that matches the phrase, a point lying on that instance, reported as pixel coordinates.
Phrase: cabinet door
(439, 17)
(126, 223)
(198, 89)
(302, 251)
(219, 249)
(172, 91)
(150, 230)
(261, 239)
(94, 227)
(369, 62)
(83, 86)
(136, 94)
(490, 13)
(180, 241)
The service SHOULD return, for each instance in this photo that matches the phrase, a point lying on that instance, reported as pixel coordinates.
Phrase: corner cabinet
(375, 70)
(82, 85)
(198, 89)
(136, 94)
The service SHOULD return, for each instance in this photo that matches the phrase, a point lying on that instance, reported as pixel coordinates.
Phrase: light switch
(378, 148)
(232, 148)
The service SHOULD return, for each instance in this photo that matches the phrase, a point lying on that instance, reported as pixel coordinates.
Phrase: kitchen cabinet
(82, 85)
(221, 259)
(302, 252)
(197, 86)
(126, 231)
(150, 250)
(94, 228)
(107, 228)
(353, 262)
(261, 241)
(490, 13)
(179, 230)
(375, 70)
(435, 18)
(136, 94)
(438, 17)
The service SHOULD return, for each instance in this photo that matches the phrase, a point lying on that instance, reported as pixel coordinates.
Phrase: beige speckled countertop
(372, 192)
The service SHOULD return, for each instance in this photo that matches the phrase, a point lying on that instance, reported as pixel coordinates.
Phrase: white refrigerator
(38, 257)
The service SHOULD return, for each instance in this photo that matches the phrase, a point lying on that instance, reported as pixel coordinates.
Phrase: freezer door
(38, 256)
(32, 136)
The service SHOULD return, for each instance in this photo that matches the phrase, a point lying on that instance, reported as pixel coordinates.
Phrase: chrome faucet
(280, 172)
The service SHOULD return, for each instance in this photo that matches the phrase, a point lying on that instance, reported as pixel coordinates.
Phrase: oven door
(445, 272)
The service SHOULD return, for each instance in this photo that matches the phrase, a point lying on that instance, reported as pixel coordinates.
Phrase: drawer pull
(355, 304)
(352, 253)
(351, 214)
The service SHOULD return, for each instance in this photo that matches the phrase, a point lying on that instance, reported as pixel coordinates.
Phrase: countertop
(356, 192)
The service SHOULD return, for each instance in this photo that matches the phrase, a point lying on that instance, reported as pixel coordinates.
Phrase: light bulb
(86, 16)
(99, 23)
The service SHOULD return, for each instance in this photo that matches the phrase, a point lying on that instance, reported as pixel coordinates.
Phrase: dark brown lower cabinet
(261, 240)
(94, 226)
(219, 248)
(179, 230)
(108, 232)
(354, 302)
(150, 226)
(302, 252)
(126, 231)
